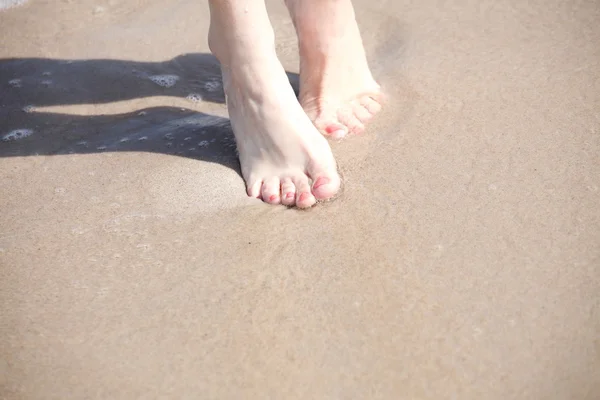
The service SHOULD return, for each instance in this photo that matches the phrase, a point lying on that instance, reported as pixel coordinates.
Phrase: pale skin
(284, 154)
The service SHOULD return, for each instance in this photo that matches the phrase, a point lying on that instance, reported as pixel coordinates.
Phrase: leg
(337, 89)
(280, 150)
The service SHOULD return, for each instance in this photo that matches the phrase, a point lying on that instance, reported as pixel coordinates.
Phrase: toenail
(320, 182)
(304, 196)
(335, 130)
(273, 197)
(289, 195)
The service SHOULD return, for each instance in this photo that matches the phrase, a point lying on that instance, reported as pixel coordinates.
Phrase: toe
(304, 197)
(371, 104)
(325, 184)
(335, 130)
(330, 127)
(254, 189)
(362, 113)
(353, 124)
(288, 192)
(271, 190)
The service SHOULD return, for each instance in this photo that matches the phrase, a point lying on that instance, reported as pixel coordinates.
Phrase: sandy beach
(461, 260)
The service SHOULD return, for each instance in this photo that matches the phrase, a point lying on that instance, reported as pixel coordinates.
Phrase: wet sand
(462, 260)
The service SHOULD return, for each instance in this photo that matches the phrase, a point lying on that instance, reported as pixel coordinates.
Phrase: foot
(337, 89)
(284, 159)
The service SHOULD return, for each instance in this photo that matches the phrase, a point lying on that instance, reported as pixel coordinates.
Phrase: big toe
(334, 129)
(325, 184)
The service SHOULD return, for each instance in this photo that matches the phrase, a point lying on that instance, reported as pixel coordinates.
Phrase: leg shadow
(29, 85)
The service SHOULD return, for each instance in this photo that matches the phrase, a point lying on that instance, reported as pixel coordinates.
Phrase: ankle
(229, 48)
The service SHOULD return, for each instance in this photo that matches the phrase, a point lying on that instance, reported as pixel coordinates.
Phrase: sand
(462, 260)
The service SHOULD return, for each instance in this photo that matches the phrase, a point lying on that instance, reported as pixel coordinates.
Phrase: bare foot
(283, 157)
(280, 150)
(337, 90)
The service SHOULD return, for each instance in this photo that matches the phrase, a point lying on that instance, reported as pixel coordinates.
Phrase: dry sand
(461, 262)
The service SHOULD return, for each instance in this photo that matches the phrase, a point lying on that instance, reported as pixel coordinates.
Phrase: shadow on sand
(29, 85)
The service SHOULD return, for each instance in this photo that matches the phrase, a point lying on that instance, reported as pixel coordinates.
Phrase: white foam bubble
(17, 134)
(212, 86)
(203, 143)
(164, 80)
(29, 108)
(194, 97)
(46, 82)
(14, 82)
(143, 138)
(4, 4)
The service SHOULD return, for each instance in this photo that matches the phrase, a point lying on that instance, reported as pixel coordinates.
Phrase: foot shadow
(111, 120)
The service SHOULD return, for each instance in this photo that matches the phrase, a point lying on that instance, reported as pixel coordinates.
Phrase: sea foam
(4, 4)
(164, 80)
(16, 135)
